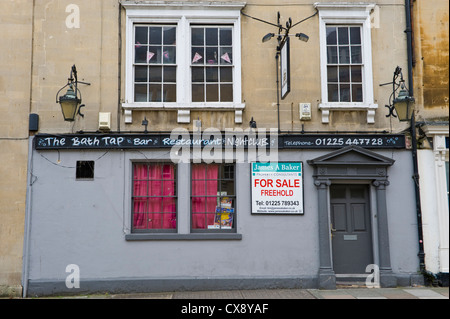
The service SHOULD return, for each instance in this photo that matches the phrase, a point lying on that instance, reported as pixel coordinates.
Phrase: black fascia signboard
(149, 141)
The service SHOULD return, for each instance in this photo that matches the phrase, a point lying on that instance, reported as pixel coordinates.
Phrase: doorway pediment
(352, 155)
(351, 162)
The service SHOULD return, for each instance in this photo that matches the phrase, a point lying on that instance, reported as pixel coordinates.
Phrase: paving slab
(221, 294)
(277, 294)
(425, 294)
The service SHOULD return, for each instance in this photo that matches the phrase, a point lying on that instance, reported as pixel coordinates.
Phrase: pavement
(265, 294)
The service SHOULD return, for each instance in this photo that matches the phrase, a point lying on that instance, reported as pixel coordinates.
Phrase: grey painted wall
(85, 223)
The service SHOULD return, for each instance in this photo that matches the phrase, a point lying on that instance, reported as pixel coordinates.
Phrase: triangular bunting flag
(197, 57)
(226, 58)
(149, 56)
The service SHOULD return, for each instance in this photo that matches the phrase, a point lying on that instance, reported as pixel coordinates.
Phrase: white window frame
(347, 14)
(183, 15)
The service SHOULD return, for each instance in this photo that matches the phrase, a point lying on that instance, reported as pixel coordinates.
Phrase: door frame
(371, 218)
(355, 165)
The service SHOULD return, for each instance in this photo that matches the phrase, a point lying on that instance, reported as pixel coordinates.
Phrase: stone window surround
(347, 13)
(183, 14)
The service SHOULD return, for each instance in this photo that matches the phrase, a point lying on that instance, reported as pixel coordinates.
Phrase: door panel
(359, 218)
(351, 229)
(339, 219)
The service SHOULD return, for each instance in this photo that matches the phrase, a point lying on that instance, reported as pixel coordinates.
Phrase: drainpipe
(27, 227)
(119, 71)
(408, 32)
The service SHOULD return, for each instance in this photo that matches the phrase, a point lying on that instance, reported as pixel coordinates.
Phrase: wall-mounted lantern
(70, 102)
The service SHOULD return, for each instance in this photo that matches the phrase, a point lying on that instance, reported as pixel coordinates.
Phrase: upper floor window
(344, 64)
(155, 68)
(346, 59)
(183, 56)
(212, 64)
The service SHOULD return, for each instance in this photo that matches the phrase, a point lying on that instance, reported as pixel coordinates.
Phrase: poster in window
(277, 188)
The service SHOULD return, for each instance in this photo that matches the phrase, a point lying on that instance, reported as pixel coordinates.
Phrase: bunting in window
(226, 57)
(149, 56)
(166, 55)
(197, 57)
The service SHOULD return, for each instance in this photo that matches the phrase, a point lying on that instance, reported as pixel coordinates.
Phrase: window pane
(333, 95)
(198, 55)
(197, 36)
(331, 35)
(198, 188)
(344, 93)
(356, 74)
(226, 55)
(154, 54)
(155, 35)
(344, 55)
(170, 92)
(140, 54)
(227, 172)
(155, 74)
(332, 55)
(141, 35)
(212, 74)
(212, 93)
(169, 55)
(344, 74)
(357, 95)
(343, 35)
(226, 93)
(198, 93)
(226, 74)
(226, 37)
(332, 73)
(356, 54)
(211, 36)
(140, 74)
(170, 74)
(169, 35)
(140, 93)
(154, 92)
(355, 36)
(211, 55)
(198, 74)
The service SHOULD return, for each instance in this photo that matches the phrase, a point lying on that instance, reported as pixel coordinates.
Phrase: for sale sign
(277, 188)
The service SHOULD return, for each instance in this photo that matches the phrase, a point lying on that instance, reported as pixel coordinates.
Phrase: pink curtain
(153, 186)
(204, 183)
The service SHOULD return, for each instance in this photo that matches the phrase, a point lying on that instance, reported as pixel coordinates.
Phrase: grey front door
(350, 228)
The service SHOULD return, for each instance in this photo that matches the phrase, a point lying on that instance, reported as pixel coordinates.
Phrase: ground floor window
(213, 197)
(154, 197)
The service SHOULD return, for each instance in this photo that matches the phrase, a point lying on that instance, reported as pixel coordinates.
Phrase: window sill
(327, 107)
(198, 236)
(183, 109)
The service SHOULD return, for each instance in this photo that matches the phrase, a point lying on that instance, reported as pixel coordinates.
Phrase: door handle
(332, 229)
